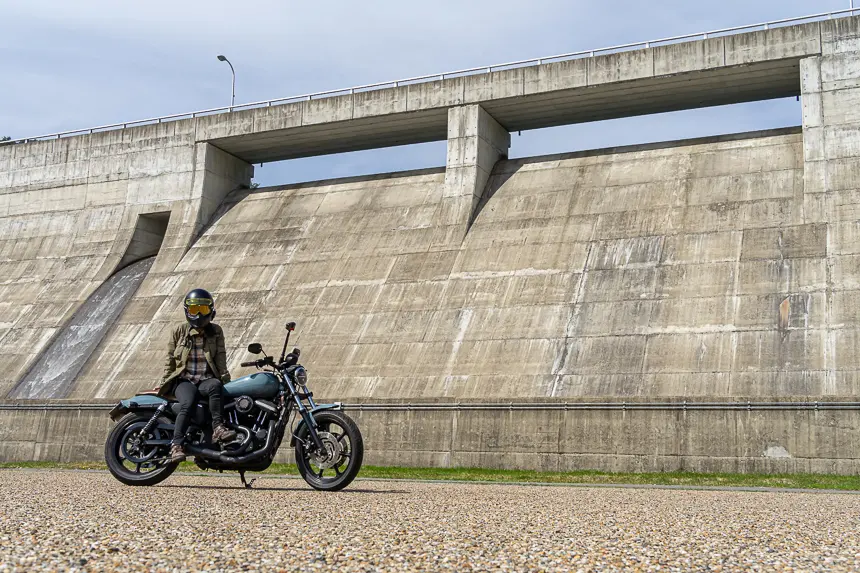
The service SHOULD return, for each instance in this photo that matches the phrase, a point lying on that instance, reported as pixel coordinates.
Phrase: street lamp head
(222, 58)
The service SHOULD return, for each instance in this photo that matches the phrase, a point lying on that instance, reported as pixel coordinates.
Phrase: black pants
(188, 394)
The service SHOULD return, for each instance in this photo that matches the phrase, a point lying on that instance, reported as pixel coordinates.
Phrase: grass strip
(799, 481)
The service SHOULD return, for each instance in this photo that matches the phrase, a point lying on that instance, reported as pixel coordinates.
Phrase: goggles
(198, 306)
(199, 309)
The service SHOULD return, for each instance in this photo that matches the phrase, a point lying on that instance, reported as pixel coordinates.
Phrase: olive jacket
(178, 347)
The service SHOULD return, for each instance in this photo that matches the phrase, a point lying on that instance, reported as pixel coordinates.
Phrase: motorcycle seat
(199, 413)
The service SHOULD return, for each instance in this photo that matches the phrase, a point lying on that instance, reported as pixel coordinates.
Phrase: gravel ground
(86, 521)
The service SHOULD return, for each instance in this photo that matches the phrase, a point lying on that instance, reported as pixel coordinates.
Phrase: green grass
(803, 481)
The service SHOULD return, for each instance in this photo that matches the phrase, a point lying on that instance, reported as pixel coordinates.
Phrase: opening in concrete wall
(671, 126)
(147, 238)
(351, 164)
(54, 372)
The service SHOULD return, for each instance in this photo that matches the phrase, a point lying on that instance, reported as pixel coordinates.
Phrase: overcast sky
(74, 64)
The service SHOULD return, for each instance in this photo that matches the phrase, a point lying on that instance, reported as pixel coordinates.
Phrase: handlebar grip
(244, 364)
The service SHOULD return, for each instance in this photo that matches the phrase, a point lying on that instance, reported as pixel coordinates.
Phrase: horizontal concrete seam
(611, 406)
(726, 406)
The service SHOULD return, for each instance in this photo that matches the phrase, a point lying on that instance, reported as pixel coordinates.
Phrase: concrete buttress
(476, 142)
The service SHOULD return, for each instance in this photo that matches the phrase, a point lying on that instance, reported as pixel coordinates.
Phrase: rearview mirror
(291, 326)
(255, 348)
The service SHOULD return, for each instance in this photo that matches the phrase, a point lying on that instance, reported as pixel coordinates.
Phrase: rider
(196, 367)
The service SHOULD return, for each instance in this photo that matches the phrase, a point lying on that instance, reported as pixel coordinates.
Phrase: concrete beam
(716, 71)
(578, 91)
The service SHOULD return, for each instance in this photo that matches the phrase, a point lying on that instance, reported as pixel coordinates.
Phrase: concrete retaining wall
(610, 440)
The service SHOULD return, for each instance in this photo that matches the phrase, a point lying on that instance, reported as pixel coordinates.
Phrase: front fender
(136, 404)
(318, 408)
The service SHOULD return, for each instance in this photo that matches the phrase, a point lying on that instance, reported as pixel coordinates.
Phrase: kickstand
(247, 484)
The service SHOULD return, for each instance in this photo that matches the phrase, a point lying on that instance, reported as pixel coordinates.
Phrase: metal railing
(747, 405)
(436, 77)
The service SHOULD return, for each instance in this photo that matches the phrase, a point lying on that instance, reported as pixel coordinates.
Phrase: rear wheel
(134, 459)
(335, 468)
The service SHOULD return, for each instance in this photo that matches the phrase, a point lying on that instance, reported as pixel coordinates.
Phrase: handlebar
(267, 361)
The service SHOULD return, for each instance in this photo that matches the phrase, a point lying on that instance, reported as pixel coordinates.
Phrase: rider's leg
(186, 394)
(212, 389)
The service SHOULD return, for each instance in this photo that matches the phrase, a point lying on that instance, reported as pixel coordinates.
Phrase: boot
(177, 453)
(223, 434)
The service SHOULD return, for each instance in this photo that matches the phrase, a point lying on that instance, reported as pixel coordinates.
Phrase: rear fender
(319, 408)
(141, 403)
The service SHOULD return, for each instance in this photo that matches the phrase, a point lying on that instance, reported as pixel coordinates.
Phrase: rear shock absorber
(145, 430)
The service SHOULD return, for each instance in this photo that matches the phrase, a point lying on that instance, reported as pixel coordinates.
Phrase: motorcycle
(259, 407)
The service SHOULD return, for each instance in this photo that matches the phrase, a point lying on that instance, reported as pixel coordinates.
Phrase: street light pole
(233, 88)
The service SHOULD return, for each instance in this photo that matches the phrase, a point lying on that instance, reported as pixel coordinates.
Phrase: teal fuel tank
(258, 385)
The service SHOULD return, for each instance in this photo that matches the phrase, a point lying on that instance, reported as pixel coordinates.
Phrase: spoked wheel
(335, 468)
(132, 458)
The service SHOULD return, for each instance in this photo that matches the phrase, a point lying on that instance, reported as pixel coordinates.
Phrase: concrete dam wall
(655, 272)
(666, 306)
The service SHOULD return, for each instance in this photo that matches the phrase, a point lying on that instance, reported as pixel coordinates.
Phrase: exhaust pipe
(223, 458)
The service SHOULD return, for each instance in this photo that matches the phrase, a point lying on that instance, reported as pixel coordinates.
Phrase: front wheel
(134, 459)
(335, 468)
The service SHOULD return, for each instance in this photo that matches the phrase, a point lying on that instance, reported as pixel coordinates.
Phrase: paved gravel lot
(86, 521)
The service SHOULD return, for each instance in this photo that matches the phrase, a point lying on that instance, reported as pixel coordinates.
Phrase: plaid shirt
(196, 368)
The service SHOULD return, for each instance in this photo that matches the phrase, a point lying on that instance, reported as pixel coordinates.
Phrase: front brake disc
(333, 451)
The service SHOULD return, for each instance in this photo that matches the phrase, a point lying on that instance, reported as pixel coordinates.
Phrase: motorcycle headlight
(301, 376)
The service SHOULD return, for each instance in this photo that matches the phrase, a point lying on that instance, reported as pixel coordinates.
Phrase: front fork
(306, 415)
(312, 429)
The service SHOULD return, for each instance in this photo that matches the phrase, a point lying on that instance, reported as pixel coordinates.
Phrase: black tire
(352, 452)
(159, 471)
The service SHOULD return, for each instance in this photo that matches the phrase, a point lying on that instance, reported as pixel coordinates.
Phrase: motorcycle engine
(244, 404)
(248, 418)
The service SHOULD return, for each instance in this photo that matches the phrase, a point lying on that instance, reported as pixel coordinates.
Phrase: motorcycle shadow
(263, 488)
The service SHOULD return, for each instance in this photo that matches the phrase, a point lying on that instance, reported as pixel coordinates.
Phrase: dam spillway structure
(55, 371)
(680, 305)
(62, 360)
